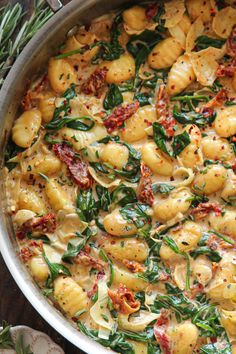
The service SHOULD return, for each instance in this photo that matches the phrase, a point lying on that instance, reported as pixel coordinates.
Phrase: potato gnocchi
(120, 177)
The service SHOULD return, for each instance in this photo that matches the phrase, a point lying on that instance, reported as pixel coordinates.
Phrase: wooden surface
(14, 307)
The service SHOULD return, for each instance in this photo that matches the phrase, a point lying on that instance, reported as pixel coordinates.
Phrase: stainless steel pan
(33, 58)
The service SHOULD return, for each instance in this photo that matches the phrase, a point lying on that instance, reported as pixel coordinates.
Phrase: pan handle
(55, 5)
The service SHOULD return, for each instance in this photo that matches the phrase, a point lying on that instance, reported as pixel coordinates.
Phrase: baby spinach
(220, 347)
(124, 195)
(193, 117)
(103, 255)
(162, 188)
(136, 213)
(117, 341)
(213, 255)
(180, 142)
(55, 269)
(104, 198)
(87, 207)
(143, 98)
(160, 137)
(203, 42)
(72, 251)
(11, 151)
(113, 97)
(174, 247)
(197, 199)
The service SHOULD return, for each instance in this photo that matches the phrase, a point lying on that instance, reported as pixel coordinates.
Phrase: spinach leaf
(72, 251)
(135, 213)
(104, 198)
(111, 50)
(222, 237)
(174, 247)
(162, 188)
(103, 255)
(44, 238)
(77, 123)
(124, 195)
(160, 137)
(63, 109)
(153, 272)
(116, 341)
(50, 139)
(140, 46)
(11, 151)
(143, 98)
(153, 349)
(214, 256)
(55, 269)
(113, 97)
(193, 117)
(5, 336)
(87, 207)
(180, 142)
(197, 199)
(204, 315)
(203, 42)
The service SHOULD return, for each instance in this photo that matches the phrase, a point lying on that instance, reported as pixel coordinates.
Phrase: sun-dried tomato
(145, 192)
(218, 100)
(160, 329)
(133, 266)
(87, 260)
(151, 11)
(163, 113)
(43, 224)
(203, 209)
(77, 167)
(95, 82)
(123, 300)
(31, 250)
(120, 115)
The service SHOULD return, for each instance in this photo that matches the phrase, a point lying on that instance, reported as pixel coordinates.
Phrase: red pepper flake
(120, 115)
(77, 167)
(145, 192)
(95, 82)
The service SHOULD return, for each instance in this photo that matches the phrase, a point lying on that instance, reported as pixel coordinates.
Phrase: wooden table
(16, 310)
(14, 307)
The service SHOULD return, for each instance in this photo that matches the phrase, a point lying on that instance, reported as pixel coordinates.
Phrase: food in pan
(120, 176)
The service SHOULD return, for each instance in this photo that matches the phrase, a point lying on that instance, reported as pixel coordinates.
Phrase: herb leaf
(113, 97)
(73, 251)
(21, 348)
(135, 213)
(203, 42)
(56, 269)
(180, 142)
(87, 207)
(160, 137)
(162, 188)
(5, 337)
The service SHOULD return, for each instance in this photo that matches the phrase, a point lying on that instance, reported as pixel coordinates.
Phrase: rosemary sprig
(16, 30)
(6, 341)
